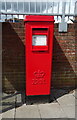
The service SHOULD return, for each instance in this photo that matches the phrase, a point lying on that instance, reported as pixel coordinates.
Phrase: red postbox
(39, 44)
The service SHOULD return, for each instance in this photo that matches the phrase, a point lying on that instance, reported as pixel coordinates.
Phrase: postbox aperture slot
(39, 31)
(39, 39)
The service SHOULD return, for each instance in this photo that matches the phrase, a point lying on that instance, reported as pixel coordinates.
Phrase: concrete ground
(63, 105)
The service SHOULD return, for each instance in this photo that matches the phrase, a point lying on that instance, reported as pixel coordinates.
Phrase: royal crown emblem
(39, 74)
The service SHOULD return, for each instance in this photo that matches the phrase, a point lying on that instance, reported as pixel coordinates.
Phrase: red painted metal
(38, 58)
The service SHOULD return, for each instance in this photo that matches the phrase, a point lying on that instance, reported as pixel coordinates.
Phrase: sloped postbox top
(39, 18)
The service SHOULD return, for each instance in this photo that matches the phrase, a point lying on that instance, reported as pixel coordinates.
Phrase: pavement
(62, 105)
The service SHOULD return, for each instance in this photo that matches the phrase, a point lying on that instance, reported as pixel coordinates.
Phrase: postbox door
(39, 40)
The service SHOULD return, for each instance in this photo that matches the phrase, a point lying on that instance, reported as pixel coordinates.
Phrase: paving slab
(20, 99)
(8, 102)
(27, 111)
(0, 116)
(0, 108)
(64, 107)
(8, 97)
(69, 111)
(66, 100)
(75, 102)
(67, 103)
(76, 112)
(9, 114)
(75, 94)
(51, 110)
(56, 119)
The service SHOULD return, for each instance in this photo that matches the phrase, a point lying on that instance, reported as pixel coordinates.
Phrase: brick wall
(13, 45)
(13, 56)
(64, 58)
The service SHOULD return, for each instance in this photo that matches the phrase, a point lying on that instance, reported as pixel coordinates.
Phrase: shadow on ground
(10, 101)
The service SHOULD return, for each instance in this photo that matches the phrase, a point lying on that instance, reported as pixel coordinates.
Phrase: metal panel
(0, 10)
(63, 24)
(76, 8)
